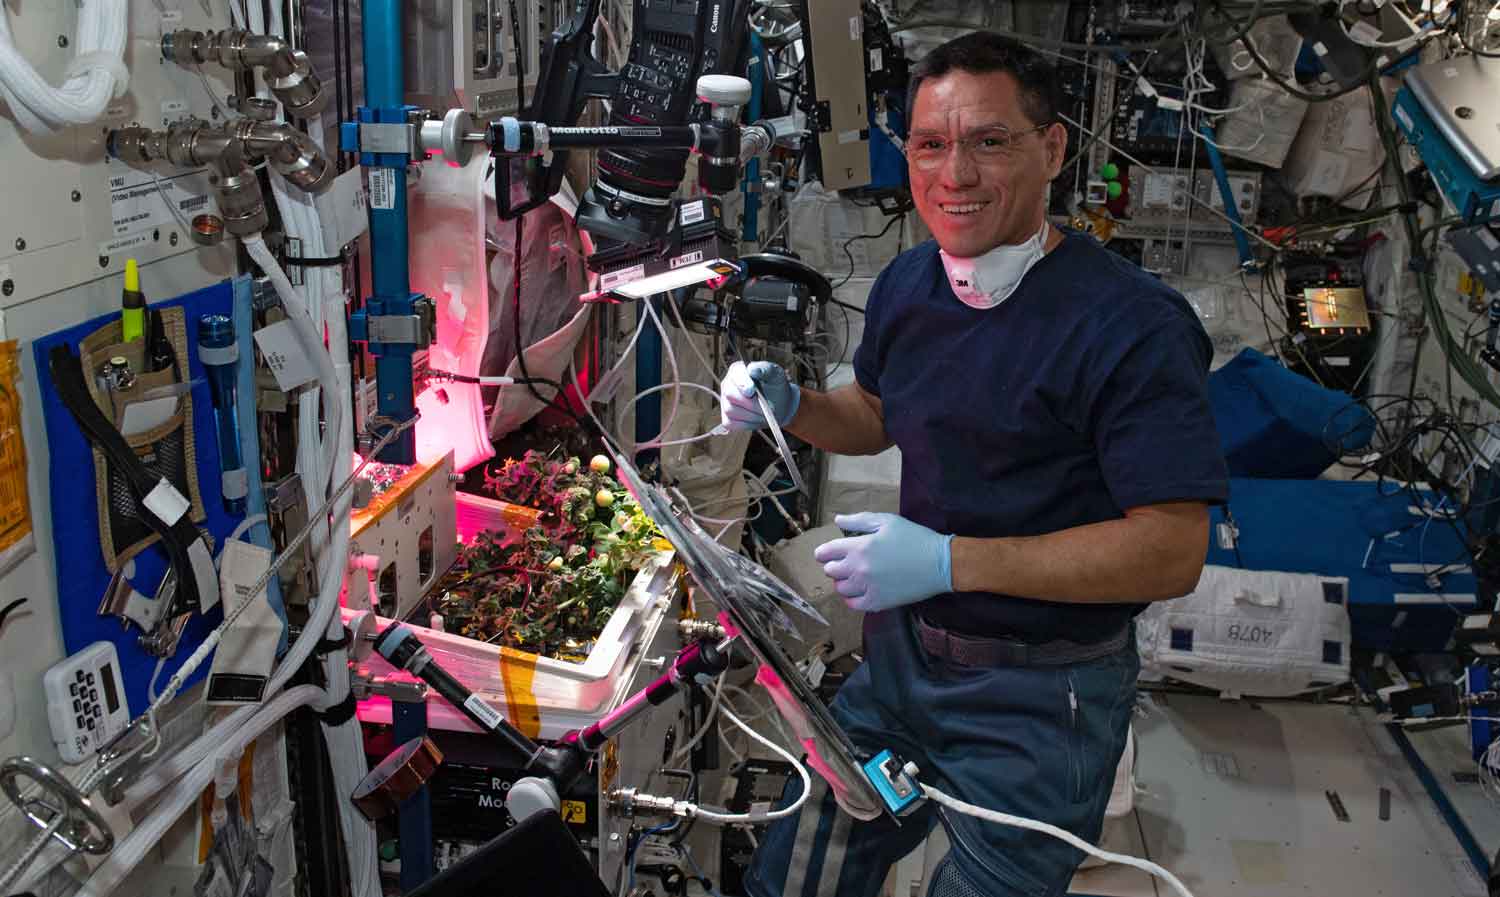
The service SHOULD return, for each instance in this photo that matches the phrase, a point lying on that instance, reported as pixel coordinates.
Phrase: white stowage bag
(1250, 632)
(448, 215)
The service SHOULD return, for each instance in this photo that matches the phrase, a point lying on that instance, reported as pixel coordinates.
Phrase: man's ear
(1055, 142)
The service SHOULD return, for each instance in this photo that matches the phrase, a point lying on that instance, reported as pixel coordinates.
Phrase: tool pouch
(157, 427)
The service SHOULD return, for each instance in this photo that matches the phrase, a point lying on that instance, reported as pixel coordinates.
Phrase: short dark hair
(983, 52)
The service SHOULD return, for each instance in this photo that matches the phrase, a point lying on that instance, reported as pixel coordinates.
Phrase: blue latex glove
(739, 408)
(898, 563)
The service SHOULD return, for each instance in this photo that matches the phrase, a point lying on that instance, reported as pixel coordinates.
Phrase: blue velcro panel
(1325, 527)
(1276, 424)
(887, 164)
(81, 574)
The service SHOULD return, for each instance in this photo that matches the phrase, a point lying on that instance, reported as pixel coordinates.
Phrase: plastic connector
(895, 782)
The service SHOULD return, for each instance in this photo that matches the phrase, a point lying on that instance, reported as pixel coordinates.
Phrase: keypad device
(86, 705)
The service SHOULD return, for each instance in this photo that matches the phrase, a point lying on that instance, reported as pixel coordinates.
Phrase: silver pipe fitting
(630, 802)
(288, 72)
(231, 148)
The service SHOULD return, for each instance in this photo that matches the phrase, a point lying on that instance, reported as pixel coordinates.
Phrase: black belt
(197, 583)
(977, 651)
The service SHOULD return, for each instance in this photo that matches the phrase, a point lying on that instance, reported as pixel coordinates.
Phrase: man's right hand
(739, 407)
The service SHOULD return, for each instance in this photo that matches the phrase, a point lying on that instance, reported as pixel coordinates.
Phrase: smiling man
(1058, 460)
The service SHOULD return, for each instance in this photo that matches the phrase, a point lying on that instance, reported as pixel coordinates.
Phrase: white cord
(1107, 856)
(1489, 770)
(666, 342)
(709, 719)
(155, 675)
(244, 527)
(735, 818)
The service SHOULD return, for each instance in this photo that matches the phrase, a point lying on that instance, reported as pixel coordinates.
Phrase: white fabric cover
(1250, 632)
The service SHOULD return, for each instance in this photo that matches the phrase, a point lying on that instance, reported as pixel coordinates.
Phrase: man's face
(973, 204)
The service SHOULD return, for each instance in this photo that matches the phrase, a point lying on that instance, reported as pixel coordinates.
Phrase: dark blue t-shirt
(1080, 396)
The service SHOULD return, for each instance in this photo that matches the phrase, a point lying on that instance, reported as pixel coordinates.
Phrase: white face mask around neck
(987, 280)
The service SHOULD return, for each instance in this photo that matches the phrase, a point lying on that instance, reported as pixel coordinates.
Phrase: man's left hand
(896, 562)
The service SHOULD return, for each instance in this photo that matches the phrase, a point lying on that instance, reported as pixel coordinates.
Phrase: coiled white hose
(96, 75)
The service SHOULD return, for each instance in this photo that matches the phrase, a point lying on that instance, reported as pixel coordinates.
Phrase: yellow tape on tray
(15, 511)
(518, 672)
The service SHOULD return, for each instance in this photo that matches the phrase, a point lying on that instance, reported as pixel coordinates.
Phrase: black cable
(1120, 104)
(5, 611)
(850, 241)
(452, 377)
(526, 378)
(842, 304)
(1371, 69)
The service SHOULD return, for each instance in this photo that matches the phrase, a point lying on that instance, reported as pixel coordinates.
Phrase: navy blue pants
(1040, 742)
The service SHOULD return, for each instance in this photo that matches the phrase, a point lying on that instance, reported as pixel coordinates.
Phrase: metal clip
(82, 827)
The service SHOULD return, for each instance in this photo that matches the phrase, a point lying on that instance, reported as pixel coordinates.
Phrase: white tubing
(666, 342)
(709, 719)
(244, 526)
(96, 75)
(793, 807)
(130, 850)
(157, 778)
(1107, 856)
(312, 339)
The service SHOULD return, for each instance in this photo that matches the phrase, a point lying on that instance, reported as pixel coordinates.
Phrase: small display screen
(111, 697)
(1335, 307)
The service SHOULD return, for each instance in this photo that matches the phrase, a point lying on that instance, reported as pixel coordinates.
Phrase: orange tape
(206, 824)
(518, 672)
(15, 510)
(246, 788)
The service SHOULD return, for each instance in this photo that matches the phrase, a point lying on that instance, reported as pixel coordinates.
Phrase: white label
(139, 202)
(1338, 361)
(485, 712)
(692, 213)
(1319, 48)
(1433, 598)
(1342, 234)
(1364, 31)
(120, 244)
(382, 188)
(877, 59)
(815, 670)
(848, 137)
(691, 258)
(171, 110)
(248, 648)
(148, 415)
(1402, 117)
(285, 355)
(626, 275)
(235, 483)
(856, 27)
(166, 503)
(1495, 209)
(1450, 72)
(1485, 237)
